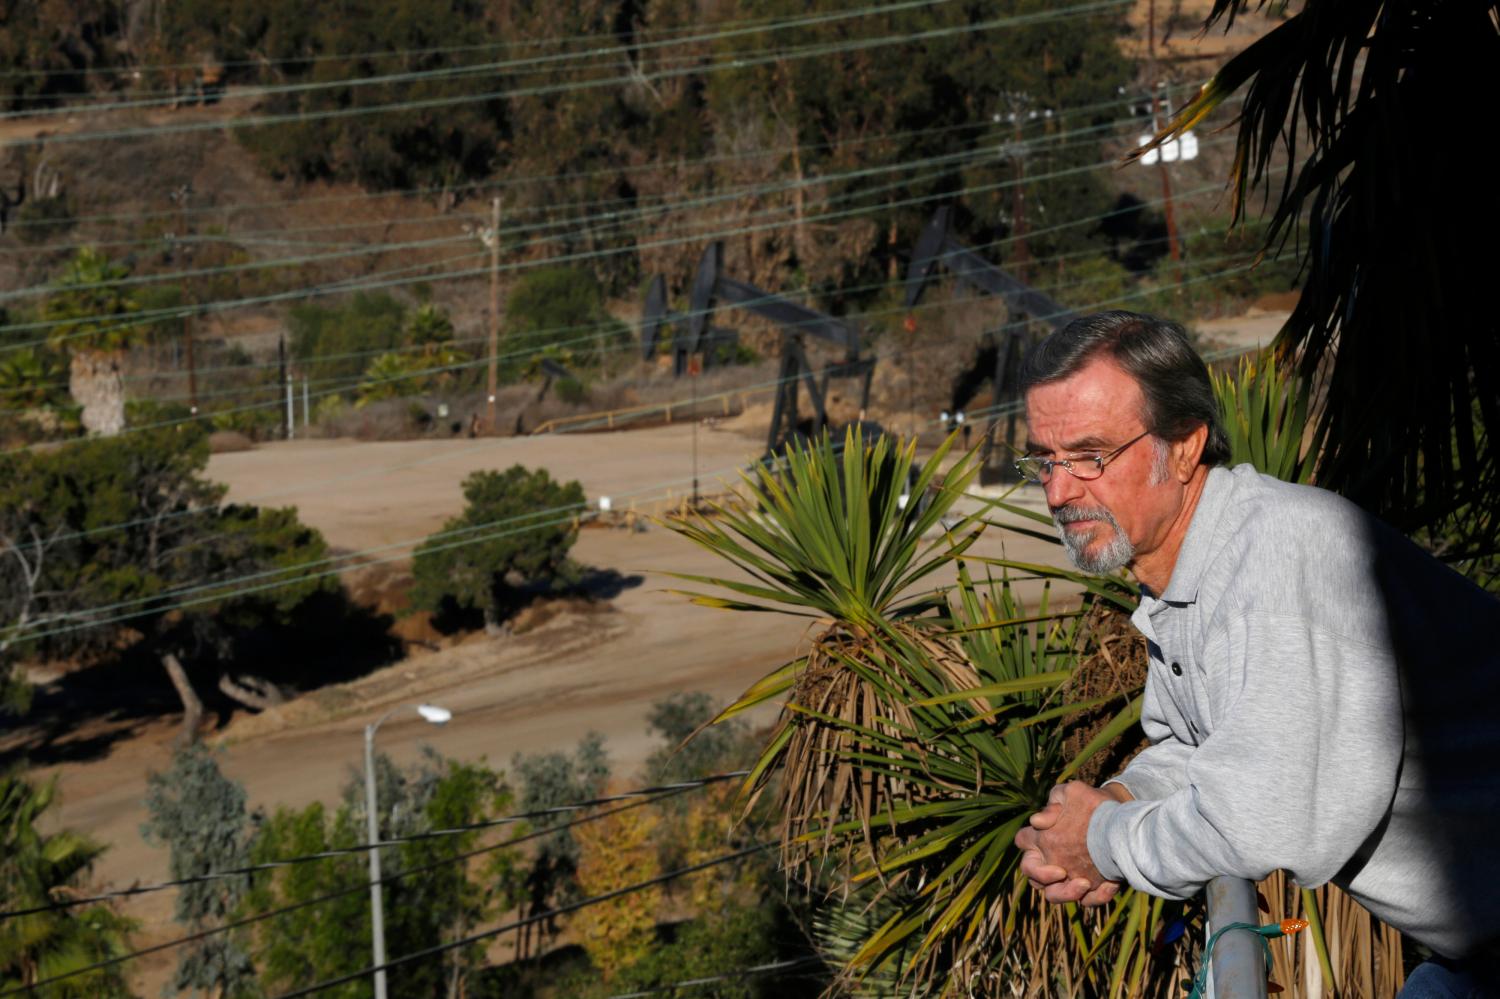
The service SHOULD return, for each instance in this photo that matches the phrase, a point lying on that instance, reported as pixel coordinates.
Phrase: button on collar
(1176, 670)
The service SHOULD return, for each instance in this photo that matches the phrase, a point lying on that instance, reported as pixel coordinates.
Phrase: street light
(437, 716)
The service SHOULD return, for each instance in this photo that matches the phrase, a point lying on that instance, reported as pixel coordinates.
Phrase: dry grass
(1365, 954)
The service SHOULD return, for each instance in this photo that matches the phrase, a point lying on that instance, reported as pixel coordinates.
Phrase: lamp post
(437, 716)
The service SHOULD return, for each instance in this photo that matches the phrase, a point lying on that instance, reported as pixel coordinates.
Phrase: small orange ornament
(1290, 926)
(910, 323)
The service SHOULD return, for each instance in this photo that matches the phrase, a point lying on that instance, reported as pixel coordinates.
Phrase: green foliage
(549, 780)
(685, 756)
(560, 310)
(742, 934)
(429, 326)
(420, 147)
(31, 379)
(364, 323)
(397, 375)
(36, 869)
(47, 52)
(437, 906)
(1265, 415)
(129, 529)
(392, 376)
(514, 532)
(91, 310)
(571, 391)
(259, 424)
(199, 814)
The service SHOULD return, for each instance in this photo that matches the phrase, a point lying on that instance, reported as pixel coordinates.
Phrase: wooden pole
(494, 379)
(1166, 181)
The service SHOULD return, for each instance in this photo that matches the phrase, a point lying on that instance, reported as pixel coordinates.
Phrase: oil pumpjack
(713, 289)
(998, 360)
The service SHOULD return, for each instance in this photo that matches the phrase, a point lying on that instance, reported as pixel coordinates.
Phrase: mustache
(1072, 513)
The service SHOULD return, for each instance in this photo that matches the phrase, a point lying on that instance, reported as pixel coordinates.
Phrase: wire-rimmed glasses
(1084, 466)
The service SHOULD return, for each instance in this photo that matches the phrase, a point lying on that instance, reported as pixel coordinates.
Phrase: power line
(415, 349)
(503, 67)
(620, 219)
(668, 201)
(995, 243)
(530, 920)
(514, 181)
(31, 633)
(140, 318)
(770, 968)
(523, 353)
(97, 530)
(806, 52)
(612, 219)
(644, 795)
(725, 30)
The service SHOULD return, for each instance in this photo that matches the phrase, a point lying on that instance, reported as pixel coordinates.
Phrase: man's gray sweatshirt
(1323, 697)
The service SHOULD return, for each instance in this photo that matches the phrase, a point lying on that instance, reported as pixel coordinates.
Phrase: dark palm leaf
(1374, 106)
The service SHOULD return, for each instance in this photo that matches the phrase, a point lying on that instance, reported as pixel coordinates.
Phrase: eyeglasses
(1086, 467)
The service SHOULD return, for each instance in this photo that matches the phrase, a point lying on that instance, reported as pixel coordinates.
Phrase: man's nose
(1062, 488)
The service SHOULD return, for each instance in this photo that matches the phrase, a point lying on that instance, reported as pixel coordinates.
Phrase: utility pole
(694, 367)
(285, 383)
(1022, 255)
(180, 195)
(494, 244)
(1166, 182)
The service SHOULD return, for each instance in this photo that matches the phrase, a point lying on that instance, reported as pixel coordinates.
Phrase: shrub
(514, 534)
(560, 309)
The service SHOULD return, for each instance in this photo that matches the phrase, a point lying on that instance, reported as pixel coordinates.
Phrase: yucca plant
(1265, 415)
(922, 726)
(826, 534)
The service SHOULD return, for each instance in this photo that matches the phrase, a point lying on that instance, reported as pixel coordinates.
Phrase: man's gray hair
(1179, 397)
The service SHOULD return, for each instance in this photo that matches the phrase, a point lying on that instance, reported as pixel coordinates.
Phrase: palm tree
(1395, 334)
(93, 323)
(36, 870)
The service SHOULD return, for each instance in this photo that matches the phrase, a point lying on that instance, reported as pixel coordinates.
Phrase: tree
(693, 748)
(441, 904)
(616, 851)
(199, 814)
(549, 780)
(38, 869)
(439, 147)
(134, 546)
(514, 532)
(94, 326)
(350, 330)
(1395, 331)
(560, 310)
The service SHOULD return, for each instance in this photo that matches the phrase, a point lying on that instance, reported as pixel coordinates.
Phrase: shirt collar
(1193, 557)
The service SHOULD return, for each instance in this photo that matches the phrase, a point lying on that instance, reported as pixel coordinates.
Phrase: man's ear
(1187, 452)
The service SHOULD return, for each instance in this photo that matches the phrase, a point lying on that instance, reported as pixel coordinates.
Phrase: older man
(1321, 695)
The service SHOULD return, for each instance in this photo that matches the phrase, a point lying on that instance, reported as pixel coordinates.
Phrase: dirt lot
(596, 669)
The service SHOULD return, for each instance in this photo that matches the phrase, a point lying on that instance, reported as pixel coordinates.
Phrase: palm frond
(1394, 335)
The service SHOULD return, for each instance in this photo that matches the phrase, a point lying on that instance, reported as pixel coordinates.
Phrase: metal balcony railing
(1239, 963)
